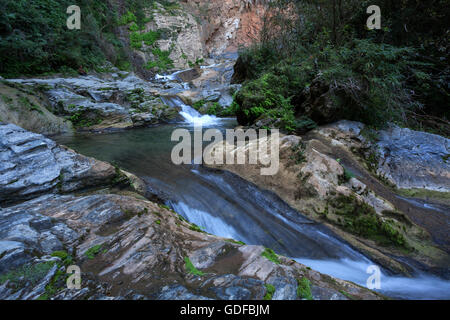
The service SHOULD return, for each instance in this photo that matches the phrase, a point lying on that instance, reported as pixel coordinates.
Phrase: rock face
(125, 247)
(32, 164)
(28, 109)
(412, 159)
(192, 30)
(320, 180)
(107, 101)
(228, 24)
(406, 158)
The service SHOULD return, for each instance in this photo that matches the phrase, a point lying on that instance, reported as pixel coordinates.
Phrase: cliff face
(192, 30)
(228, 24)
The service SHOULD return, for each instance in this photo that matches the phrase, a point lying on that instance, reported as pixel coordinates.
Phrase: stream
(225, 205)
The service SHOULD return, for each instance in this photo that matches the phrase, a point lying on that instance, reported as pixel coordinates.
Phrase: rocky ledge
(320, 177)
(126, 246)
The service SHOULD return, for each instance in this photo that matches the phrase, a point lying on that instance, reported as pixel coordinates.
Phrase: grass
(270, 290)
(191, 268)
(270, 255)
(304, 289)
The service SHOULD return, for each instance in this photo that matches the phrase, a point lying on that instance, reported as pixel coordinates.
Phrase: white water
(202, 219)
(420, 287)
(191, 115)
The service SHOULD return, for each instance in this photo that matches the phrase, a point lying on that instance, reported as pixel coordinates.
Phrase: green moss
(270, 255)
(191, 268)
(298, 153)
(195, 227)
(424, 194)
(270, 290)
(93, 252)
(158, 222)
(346, 176)
(235, 241)
(64, 256)
(304, 289)
(361, 219)
(348, 295)
(143, 212)
(27, 273)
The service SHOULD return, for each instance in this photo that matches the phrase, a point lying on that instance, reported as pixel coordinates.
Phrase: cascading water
(191, 115)
(225, 205)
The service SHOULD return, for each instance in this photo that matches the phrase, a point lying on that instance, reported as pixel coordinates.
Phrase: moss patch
(270, 255)
(270, 290)
(27, 273)
(361, 219)
(191, 268)
(304, 289)
(91, 253)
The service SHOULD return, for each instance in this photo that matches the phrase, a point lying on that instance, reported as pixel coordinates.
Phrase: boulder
(32, 164)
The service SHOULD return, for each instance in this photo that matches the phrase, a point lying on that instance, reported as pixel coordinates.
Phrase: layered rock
(324, 182)
(32, 165)
(125, 246)
(406, 158)
(29, 109)
(106, 101)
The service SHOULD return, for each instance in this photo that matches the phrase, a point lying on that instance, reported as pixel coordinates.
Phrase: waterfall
(190, 115)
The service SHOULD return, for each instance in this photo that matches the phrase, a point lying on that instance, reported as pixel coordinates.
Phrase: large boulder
(32, 164)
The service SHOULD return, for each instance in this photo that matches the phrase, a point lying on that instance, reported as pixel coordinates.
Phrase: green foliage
(149, 38)
(127, 18)
(334, 64)
(94, 251)
(162, 61)
(85, 118)
(298, 153)
(64, 256)
(34, 38)
(270, 290)
(198, 104)
(270, 255)
(304, 289)
(27, 273)
(191, 268)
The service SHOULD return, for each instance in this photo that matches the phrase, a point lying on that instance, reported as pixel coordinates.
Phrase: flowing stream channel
(228, 206)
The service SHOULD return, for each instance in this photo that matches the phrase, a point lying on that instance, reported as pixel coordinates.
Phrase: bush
(337, 70)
